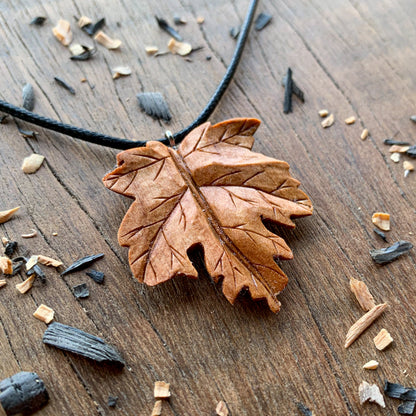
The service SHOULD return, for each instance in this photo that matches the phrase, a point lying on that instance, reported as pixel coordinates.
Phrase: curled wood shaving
(323, 113)
(31, 262)
(350, 120)
(34, 233)
(48, 261)
(221, 409)
(180, 48)
(157, 408)
(3, 283)
(382, 340)
(363, 295)
(84, 21)
(398, 149)
(6, 265)
(381, 220)
(6, 215)
(32, 163)
(120, 71)
(26, 285)
(62, 32)
(363, 323)
(370, 392)
(151, 50)
(371, 365)
(106, 41)
(44, 313)
(328, 122)
(161, 390)
(364, 134)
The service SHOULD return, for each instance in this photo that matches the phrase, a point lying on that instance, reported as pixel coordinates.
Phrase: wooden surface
(352, 57)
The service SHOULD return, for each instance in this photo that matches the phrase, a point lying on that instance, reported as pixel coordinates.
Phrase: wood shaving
(364, 134)
(323, 113)
(398, 149)
(48, 261)
(5, 240)
(350, 120)
(26, 285)
(363, 323)
(381, 220)
(31, 262)
(161, 390)
(6, 215)
(221, 409)
(44, 313)
(32, 163)
(76, 49)
(157, 408)
(180, 48)
(363, 295)
(382, 340)
(151, 50)
(328, 122)
(106, 41)
(54, 234)
(395, 157)
(121, 71)
(408, 167)
(84, 21)
(3, 283)
(6, 265)
(62, 32)
(34, 233)
(371, 365)
(200, 20)
(371, 393)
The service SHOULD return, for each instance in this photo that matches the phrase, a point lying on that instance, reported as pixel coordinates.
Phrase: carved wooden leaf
(212, 191)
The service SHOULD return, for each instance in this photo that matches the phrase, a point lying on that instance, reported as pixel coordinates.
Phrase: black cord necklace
(118, 143)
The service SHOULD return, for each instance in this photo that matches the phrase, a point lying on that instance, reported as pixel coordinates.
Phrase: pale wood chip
(363, 295)
(31, 262)
(180, 48)
(121, 71)
(6, 215)
(381, 220)
(371, 393)
(395, 157)
(161, 390)
(363, 323)
(34, 233)
(350, 120)
(328, 122)
(5, 240)
(26, 285)
(382, 340)
(49, 261)
(157, 408)
(106, 41)
(84, 21)
(3, 283)
(32, 163)
(371, 365)
(6, 265)
(200, 20)
(44, 313)
(221, 409)
(398, 149)
(62, 32)
(76, 49)
(364, 134)
(323, 113)
(151, 50)
(54, 234)
(408, 165)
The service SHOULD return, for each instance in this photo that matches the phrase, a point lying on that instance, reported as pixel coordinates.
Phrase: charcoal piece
(295, 89)
(27, 133)
(398, 391)
(411, 151)
(65, 85)
(23, 392)
(28, 97)
(263, 19)
(97, 276)
(79, 342)
(407, 407)
(304, 410)
(17, 267)
(392, 142)
(235, 31)
(413, 118)
(92, 28)
(388, 254)
(38, 272)
(153, 104)
(287, 103)
(84, 56)
(82, 263)
(164, 25)
(4, 118)
(380, 234)
(38, 21)
(208, 57)
(81, 291)
(112, 401)
(10, 248)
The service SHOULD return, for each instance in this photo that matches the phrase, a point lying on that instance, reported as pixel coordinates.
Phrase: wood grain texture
(354, 58)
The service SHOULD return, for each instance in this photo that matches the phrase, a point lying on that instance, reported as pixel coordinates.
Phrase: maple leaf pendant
(212, 191)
